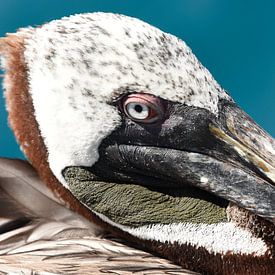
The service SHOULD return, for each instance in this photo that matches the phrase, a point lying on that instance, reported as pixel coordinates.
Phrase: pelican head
(125, 124)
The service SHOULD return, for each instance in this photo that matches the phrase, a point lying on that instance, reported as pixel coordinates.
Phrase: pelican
(145, 163)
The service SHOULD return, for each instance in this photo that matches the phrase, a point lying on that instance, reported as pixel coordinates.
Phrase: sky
(234, 39)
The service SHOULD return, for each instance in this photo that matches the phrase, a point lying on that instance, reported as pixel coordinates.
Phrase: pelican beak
(251, 142)
(229, 156)
(256, 149)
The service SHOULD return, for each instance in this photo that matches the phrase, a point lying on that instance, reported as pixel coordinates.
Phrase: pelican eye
(142, 108)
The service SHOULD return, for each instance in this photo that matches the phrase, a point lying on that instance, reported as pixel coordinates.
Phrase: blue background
(234, 39)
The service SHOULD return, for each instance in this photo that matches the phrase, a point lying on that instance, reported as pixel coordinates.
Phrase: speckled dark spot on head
(74, 81)
(72, 102)
(140, 56)
(71, 61)
(127, 32)
(88, 116)
(88, 63)
(94, 73)
(62, 30)
(86, 92)
(116, 51)
(70, 86)
(102, 30)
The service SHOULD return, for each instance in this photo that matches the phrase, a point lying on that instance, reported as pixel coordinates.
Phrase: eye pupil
(138, 108)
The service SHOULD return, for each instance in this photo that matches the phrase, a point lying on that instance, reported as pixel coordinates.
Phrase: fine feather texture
(78, 64)
(44, 237)
(72, 107)
(225, 237)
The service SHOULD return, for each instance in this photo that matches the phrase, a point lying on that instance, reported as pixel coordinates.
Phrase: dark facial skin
(180, 148)
(182, 168)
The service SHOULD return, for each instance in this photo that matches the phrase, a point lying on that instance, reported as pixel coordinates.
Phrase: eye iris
(138, 110)
(142, 108)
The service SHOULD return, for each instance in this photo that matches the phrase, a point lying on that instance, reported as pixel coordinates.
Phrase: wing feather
(39, 235)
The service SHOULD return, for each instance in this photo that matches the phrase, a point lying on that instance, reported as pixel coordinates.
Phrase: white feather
(78, 64)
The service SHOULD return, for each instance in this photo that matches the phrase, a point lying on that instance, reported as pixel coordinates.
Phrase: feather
(39, 235)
